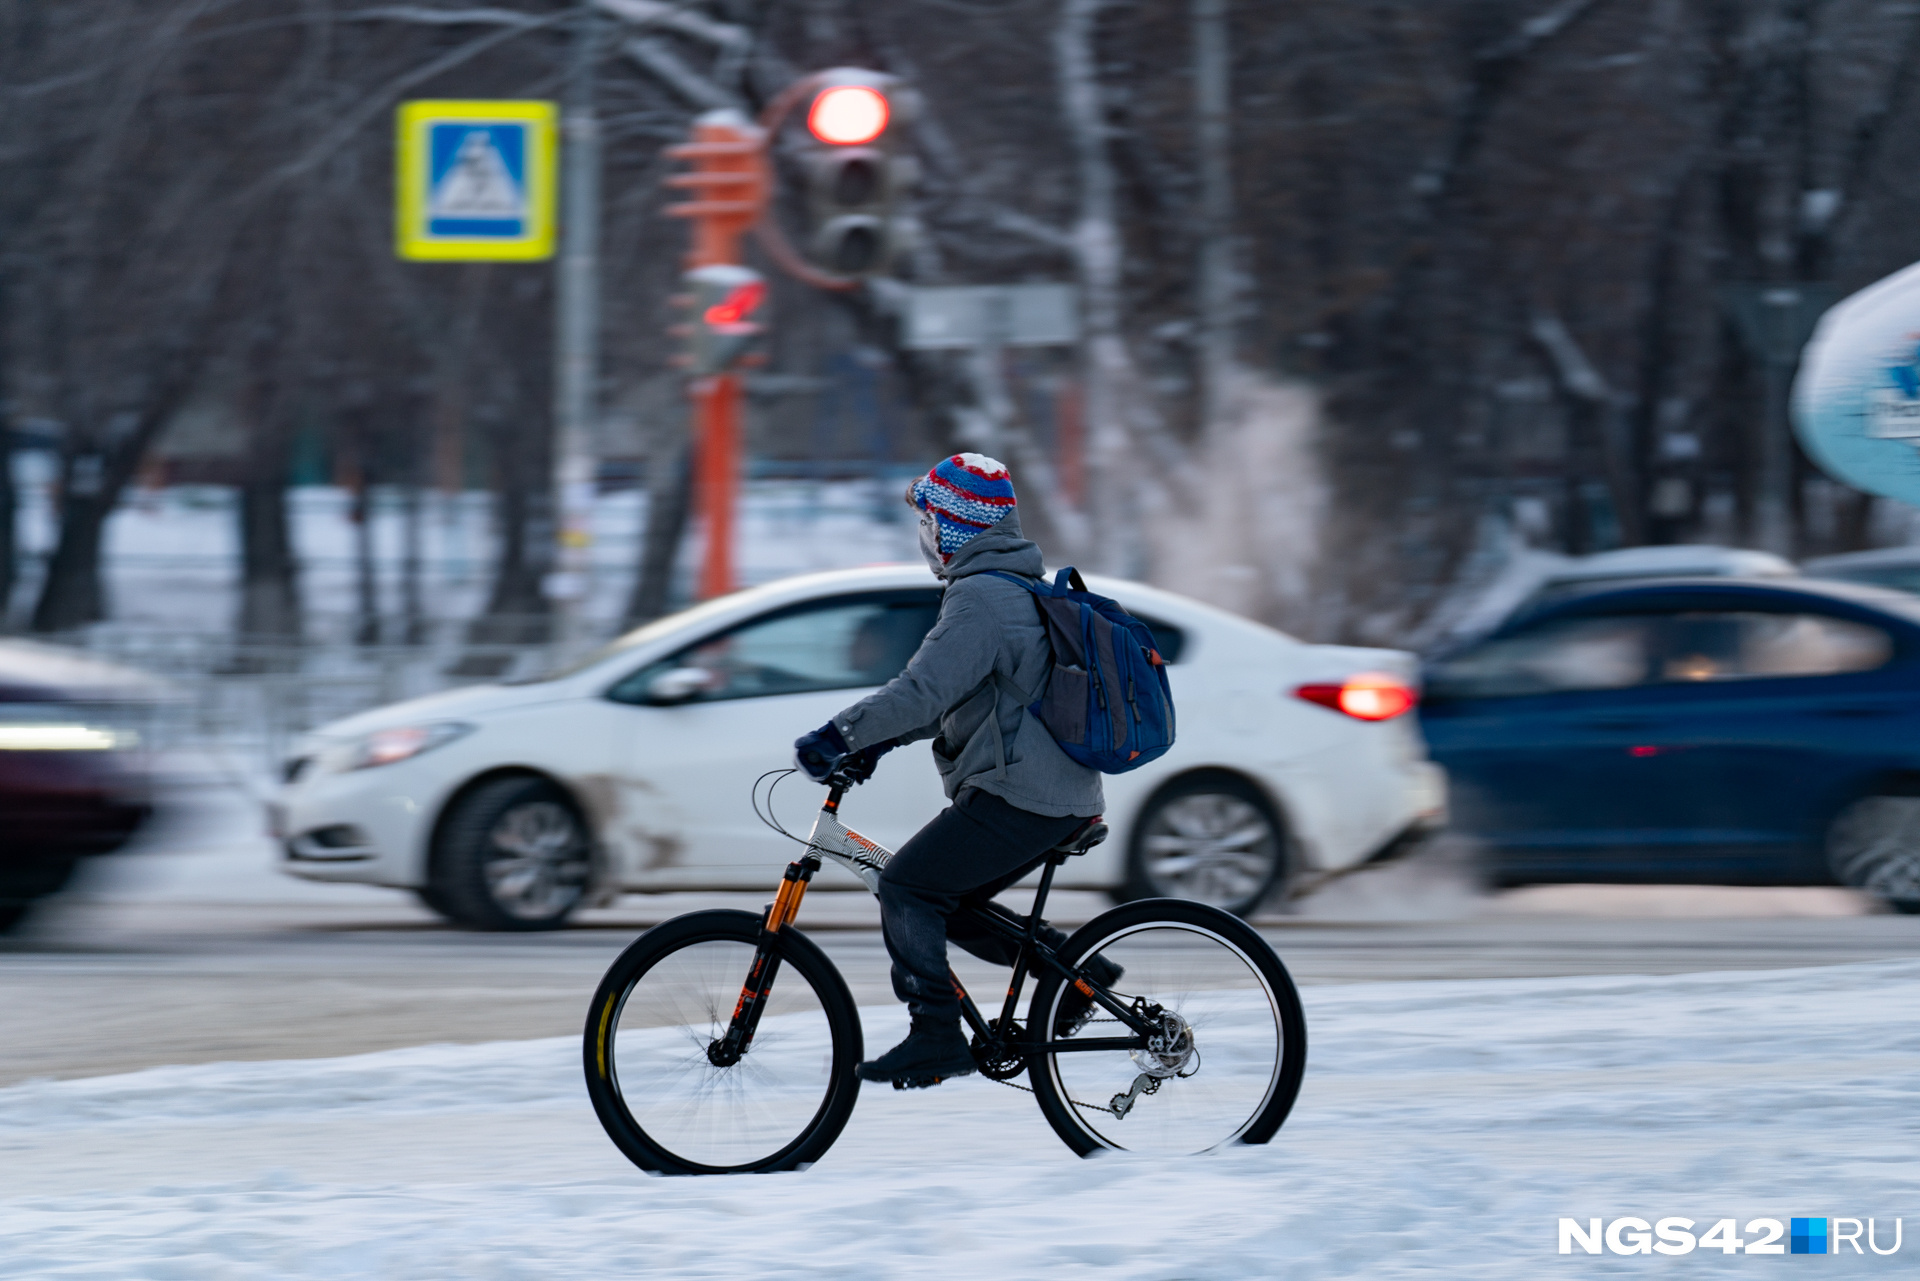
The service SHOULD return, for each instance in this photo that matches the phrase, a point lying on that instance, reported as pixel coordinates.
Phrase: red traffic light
(848, 115)
(740, 302)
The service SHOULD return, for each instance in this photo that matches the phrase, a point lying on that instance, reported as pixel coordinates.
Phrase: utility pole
(577, 336)
(1212, 95)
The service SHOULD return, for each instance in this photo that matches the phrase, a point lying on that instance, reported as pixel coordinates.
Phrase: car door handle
(1618, 722)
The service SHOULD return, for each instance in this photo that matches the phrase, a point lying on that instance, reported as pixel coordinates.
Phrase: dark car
(1695, 731)
(1895, 567)
(70, 780)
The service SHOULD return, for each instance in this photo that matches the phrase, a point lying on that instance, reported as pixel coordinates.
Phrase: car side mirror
(677, 685)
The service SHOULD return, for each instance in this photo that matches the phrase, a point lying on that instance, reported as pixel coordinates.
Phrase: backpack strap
(1001, 683)
(1018, 581)
(1068, 579)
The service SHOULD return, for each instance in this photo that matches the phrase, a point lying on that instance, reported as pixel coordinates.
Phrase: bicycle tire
(671, 1056)
(1150, 936)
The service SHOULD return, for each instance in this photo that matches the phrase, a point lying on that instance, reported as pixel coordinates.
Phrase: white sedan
(508, 806)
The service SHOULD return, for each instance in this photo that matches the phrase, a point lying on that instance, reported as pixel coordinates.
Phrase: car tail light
(1370, 696)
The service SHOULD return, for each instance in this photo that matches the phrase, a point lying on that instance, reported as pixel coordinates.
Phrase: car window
(1744, 646)
(1167, 639)
(843, 643)
(1611, 652)
(1618, 651)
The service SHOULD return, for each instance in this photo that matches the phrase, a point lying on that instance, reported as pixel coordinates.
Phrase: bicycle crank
(1000, 1059)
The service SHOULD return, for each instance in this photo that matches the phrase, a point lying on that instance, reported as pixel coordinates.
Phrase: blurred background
(1481, 296)
(1387, 325)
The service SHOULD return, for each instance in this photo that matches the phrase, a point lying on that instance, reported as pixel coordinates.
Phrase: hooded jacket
(969, 684)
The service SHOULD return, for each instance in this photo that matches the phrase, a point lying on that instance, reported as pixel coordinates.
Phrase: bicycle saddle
(1084, 837)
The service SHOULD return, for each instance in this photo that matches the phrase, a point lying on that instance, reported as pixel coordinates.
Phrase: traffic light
(724, 303)
(859, 173)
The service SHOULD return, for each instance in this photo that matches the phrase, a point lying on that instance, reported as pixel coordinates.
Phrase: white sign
(962, 316)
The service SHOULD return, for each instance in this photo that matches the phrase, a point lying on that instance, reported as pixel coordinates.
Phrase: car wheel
(1213, 839)
(431, 899)
(22, 883)
(1874, 846)
(512, 855)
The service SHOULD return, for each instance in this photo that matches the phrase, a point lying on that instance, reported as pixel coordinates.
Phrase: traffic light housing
(859, 172)
(723, 323)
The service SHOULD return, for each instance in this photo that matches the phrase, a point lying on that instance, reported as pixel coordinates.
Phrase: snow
(1443, 1130)
(172, 555)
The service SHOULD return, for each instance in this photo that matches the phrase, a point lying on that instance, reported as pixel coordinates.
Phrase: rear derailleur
(1169, 1053)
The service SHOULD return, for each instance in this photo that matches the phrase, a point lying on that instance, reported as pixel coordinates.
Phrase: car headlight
(20, 736)
(403, 743)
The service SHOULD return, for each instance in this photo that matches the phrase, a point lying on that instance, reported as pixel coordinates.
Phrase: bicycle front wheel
(670, 996)
(1230, 1043)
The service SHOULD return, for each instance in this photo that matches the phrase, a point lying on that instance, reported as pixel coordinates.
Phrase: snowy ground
(1443, 1130)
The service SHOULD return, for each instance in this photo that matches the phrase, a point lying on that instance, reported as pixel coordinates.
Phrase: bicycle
(723, 1042)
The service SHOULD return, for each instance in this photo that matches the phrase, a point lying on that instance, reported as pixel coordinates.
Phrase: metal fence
(246, 702)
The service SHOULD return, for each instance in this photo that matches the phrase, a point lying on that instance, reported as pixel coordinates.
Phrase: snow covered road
(1443, 1130)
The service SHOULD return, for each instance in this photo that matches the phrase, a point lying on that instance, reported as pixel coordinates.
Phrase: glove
(820, 752)
(859, 766)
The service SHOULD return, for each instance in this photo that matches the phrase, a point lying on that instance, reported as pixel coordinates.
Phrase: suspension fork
(728, 1049)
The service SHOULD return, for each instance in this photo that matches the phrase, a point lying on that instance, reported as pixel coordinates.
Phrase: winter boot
(1077, 1006)
(934, 1050)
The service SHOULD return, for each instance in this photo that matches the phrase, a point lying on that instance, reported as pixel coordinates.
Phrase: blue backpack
(1106, 700)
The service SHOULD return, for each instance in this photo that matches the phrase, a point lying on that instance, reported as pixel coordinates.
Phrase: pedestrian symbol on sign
(476, 180)
(476, 188)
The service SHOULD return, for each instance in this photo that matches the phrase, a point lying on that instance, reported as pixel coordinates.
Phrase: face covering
(930, 544)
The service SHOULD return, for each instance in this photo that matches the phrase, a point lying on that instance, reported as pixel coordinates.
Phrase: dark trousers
(972, 850)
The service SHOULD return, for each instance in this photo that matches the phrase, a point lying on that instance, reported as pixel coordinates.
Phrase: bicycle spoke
(719, 1116)
(1220, 1059)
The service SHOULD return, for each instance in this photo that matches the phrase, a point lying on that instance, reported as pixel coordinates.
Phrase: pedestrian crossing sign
(475, 181)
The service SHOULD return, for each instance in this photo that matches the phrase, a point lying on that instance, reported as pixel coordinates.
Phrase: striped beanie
(967, 494)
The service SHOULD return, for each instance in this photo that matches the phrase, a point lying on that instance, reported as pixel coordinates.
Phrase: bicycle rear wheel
(671, 994)
(1233, 1043)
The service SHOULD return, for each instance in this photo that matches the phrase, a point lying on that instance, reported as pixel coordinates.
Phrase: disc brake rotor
(1169, 1048)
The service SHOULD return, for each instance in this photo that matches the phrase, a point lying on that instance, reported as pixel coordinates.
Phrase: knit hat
(967, 494)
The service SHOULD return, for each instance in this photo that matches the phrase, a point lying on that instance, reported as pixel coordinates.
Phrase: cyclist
(1015, 795)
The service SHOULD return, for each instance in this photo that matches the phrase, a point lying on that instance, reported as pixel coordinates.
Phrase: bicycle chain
(1091, 1107)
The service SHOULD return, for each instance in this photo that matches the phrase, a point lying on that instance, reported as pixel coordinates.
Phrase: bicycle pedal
(922, 1082)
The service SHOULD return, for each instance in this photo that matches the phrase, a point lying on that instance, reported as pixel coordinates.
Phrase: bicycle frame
(832, 839)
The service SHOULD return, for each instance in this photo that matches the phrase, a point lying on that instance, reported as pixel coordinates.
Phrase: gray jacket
(976, 671)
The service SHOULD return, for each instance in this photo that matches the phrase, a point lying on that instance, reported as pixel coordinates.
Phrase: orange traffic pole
(716, 402)
(729, 184)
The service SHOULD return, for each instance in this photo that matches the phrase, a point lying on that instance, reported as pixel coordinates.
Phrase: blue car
(1691, 731)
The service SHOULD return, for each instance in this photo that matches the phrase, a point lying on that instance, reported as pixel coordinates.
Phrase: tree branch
(377, 103)
(442, 17)
(678, 19)
(659, 60)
